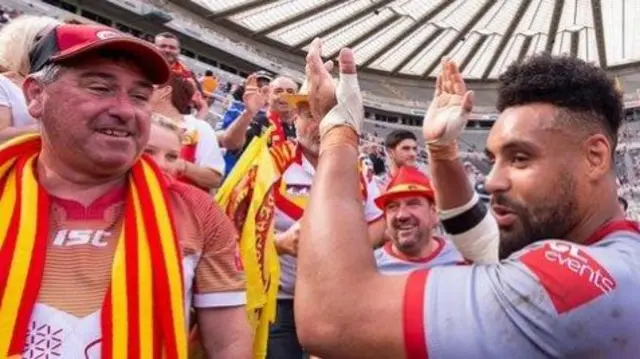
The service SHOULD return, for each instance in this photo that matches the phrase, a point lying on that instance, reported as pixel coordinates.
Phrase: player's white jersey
(552, 299)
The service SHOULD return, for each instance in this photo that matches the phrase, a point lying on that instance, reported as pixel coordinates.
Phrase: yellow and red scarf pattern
(143, 314)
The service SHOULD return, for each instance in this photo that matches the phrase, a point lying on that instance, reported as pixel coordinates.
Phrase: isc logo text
(77, 237)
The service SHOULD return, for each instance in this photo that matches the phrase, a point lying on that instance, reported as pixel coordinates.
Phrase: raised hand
(254, 97)
(339, 105)
(322, 90)
(449, 111)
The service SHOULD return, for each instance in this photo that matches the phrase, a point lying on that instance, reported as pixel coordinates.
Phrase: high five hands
(336, 105)
(341, 105)
(449, 111)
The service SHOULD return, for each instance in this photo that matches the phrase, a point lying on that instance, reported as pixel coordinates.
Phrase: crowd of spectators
(211, 123)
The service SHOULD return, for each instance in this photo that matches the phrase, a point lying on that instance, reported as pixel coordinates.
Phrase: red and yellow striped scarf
(143, 312)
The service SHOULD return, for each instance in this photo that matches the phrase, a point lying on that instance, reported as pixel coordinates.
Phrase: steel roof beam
(320, 7)
(416, 51)
(366, 35)
(238, 9)
(474, 20)
(472, 53)
(524, 5)
(553, 25)
(344, 22)
(410, 30)
(596, 8)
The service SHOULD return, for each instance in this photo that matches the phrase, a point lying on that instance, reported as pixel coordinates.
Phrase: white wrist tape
(349, 111)
(479, 244)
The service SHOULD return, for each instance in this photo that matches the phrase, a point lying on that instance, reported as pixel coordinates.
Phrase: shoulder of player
(572, 274)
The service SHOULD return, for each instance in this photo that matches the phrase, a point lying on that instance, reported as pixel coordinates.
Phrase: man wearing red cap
(411, 215)
(100, 254)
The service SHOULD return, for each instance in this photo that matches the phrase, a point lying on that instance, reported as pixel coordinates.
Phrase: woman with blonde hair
(16, 39)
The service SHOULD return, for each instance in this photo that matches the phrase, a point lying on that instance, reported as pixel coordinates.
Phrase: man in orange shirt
(209, 85)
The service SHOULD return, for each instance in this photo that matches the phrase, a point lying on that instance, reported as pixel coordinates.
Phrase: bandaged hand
(345, 98)
(449, 111)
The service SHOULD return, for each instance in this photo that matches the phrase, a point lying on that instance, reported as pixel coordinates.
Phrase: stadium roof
(408, 37)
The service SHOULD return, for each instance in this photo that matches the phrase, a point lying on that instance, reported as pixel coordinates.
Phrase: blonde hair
(167, 123)
(18, 37)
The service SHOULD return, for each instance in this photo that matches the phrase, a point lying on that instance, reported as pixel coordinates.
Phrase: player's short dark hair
(208, 73)
(397, 136)
(582, 89)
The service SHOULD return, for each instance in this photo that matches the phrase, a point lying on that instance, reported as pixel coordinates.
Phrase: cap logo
(107, 34)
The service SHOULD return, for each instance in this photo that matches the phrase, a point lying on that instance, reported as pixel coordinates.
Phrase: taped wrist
(339, 136)
(446, 152)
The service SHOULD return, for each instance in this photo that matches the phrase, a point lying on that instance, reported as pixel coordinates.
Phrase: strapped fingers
(347, 62)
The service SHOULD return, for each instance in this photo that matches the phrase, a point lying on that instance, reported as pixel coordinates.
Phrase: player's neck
(602, 213)
(61, 181)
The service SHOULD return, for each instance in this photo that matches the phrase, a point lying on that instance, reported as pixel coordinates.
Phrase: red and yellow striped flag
(143, 314)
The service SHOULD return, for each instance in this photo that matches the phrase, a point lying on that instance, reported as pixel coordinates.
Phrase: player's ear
(598, 154)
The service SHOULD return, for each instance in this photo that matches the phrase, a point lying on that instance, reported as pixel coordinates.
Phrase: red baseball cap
(409, 181)
(67, 41)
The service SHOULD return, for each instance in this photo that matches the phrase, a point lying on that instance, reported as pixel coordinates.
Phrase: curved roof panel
(408, 37)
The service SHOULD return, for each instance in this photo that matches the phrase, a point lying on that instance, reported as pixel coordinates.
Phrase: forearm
(203, 177)
(234, 342)
(338, 223)
(11, 132)
(450, 180)
(334, 227)
(234, 135)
